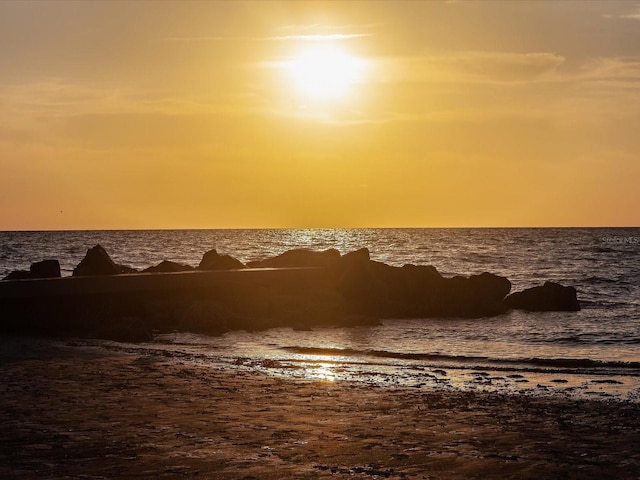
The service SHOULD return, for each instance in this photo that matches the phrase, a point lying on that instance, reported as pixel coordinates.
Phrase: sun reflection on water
(322, 371)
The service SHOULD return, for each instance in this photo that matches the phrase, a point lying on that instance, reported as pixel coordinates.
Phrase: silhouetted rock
(360, 255)
(490, 286)
(18, 275)
(375, 288)
(301, 257)
(549, 297)
(475, 296)
(98, 262)
(339, 290)
(167, 266)
(45, 269)
(212, 260)
(362, 287)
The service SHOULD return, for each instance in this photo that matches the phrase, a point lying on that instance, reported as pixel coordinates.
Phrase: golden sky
(224, 114)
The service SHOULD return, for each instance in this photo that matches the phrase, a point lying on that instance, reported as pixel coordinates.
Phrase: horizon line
(487, 227)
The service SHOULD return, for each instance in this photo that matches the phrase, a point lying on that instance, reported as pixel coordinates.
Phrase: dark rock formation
(98, 262)
(43, 269)
(475, 296)
(167, 266)
(338, 290)
(490, 286)
(549, 297)
(420, 291)
(18, 275)
(357, 256)
(301, 257)
(362, 288)
(212, 260)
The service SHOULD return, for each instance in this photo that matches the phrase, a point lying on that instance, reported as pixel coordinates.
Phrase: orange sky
(183, 115)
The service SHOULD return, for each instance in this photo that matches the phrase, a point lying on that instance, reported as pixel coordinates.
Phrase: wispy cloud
(477, 66)
(277, 38)
(321, 38)
(318, 27)
(621, 72)
(633, 15)
(214, 38)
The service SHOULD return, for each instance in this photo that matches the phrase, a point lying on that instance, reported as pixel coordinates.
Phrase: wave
(586, 303)
(589, 339)
(598, 280)
(569, 363)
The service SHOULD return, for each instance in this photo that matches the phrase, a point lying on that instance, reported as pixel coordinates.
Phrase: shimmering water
(594, 352)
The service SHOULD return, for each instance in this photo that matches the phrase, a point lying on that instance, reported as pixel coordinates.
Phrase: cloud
(56, 112)
(473, 67)
(321, 38)
(277, 38)
(634, 15)
(317, 27)
(622, 72)
(502, 66)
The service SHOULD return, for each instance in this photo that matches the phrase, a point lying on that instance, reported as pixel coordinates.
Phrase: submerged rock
(98, 262)
(547, 298)
(212, 260)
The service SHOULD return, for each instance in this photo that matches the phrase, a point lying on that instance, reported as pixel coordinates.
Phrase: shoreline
(71, 411)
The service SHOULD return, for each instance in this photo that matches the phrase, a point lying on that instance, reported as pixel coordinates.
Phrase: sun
(324, 72)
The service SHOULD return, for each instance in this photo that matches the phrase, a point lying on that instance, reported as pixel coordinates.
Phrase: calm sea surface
(594, 353)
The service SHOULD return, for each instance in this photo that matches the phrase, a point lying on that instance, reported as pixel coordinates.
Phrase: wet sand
(86, 412)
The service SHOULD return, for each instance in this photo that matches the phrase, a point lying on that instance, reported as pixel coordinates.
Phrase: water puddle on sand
(521, 380)
(454, 378)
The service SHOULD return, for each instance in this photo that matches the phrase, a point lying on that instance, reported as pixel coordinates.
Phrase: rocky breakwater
(374, 288)
(300, 288)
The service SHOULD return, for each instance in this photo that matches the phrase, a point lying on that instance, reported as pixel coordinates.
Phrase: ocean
(593, 353)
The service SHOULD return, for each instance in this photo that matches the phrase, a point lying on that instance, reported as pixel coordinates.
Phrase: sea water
(593, 353)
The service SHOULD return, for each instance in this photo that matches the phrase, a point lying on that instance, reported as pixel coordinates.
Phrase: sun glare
(325, 372)
(324, 72)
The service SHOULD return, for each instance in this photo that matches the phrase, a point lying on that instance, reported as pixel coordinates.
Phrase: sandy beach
(86, 412)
